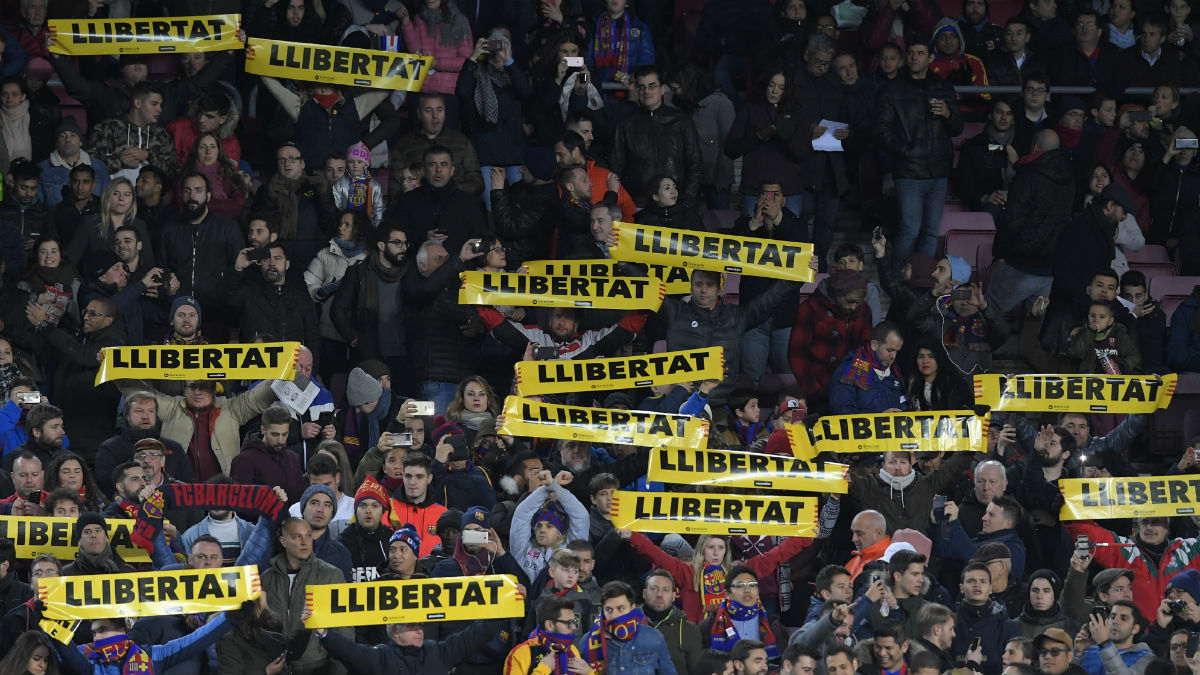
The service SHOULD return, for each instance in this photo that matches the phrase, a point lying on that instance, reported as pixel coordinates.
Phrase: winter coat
(340, 193)
(880, 394)
(128, 301)
(29, 221)
(524, 216)
(431, 658)
(780, 156)
(1149, 580)
(448, 60)
(919, 142)
(968, 356)
(1030, 626)
(423, 516)
(680, 216)
(257, 464)
(646, 653)
(713, 119)
(980, 171)
(56, 175)
(1069, 67)
(447, 208)
(990, 625)
(961, 68)
(462, 489)
(1038, 211)
(647, 143)
(1127, 357)
(1134, 67)
(1183, 342)
(368, 550)
(201, 256)
(822, 335)
(502, 143)
(411, 149)
(683, 640)
(89, 407)
(286, 597)
(119, 449)
(438, 347)
(961, 547)
(531, 557)
(312, 215)
(1174, 195)
(1111, 660)
(329, 267)
(1002, 67)
(108, 139)
(13, 592)
(335, 553)
(909, 507)
(88, 245)
(282, 310)
(820, 98)
(229, 414)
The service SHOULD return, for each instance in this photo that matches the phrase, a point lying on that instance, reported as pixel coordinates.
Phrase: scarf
(487, 81)
(284, 192)
(623, 629)
(62, 276)
(216, 182)
(1070, 137)
(450, 23)
(746, 434)
(376, 417)
(559, 645)
(119, 649)
(611, 42)
(472, 420)
(349, 249)
(326, 101)
(563, 593)
(14, 128)
(472, 564)
(894, 484)
(256, 498)
(128, 507)
(175, 339)
(104, 562)
(1105, 346)
(390, 484)
(388, 275)
(360, 194)
(964, 330)
(724, 635)
(861, 366)
(712, 587)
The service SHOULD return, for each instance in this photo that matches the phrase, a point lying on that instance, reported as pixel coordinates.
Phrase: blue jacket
(1183, 343)
(1093, 659)
(641, 48)
(961, 547)
(990, 624)
(164, 656)
(57, 176)
(12, 428)
(667, 404)
(332, 551)
(645, 654)
(847, 399)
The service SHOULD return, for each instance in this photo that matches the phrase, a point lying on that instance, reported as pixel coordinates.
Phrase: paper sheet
(826, 142)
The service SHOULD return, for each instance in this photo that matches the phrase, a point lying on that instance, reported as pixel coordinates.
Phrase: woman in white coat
(323, 277)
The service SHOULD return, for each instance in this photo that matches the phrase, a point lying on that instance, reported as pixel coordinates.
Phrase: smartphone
(424, 408)
(1139, 116)
(36, 496)
(974, 645)
(260, 253)
(401, 439)
(574, 61)
(460, 451)
(325, 419)
(1193, 644)
(939, 507)
(29, 397)
(478, 247)
(1187, 143)
(474, 537)
(1083, 544)
(960, 293)
(494, 46)
(545, 353)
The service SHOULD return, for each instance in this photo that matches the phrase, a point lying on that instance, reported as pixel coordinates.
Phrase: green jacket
(289, 604)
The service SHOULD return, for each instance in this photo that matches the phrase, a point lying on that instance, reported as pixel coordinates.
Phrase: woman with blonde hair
(97, 233)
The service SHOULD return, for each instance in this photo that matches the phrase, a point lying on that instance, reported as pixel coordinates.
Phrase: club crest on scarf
(117, 649)
(623, 628)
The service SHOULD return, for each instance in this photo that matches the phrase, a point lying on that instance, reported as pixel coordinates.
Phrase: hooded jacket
(909, 507)
(108, 139)
(1038, 210)
(960, 68)
(329, 267)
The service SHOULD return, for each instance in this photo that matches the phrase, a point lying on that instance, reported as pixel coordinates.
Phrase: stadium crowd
(178, 200)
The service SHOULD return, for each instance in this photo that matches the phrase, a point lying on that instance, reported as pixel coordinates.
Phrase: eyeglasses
(96, 315)
(497, 249)
(1085, 24)
(744, 584)
(820, 65)
(1054, 651)
(649, 86)
(573, 623)
(289, 160)
(1178, 647)
(1036, 90)
(398, 242)
(141, 456)
(827, 28)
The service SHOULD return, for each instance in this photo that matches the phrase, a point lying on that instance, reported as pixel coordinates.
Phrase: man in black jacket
(273, 305)
(13, 591)
(918, 115)
(139, 420)
(985, 162)
(438, 209)
(1047, 30)
(1038, 209)
(1012, 60)
(22, 208)
(409, 651)
(524, 212)
(1087, 60)
(655, 139)
(298, 211)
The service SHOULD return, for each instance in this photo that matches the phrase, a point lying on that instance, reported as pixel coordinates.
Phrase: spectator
(999, 524)
(1054, 649)
(1121, 32)
(951, 58)
(153, 200)
(440, 30)
(866, 381)
(764, 133)
(95, 238)
(328, 119)
(979, 617)
(712, 113)
(828, 324)
(215, 113)
(874, 491)
(986, 162)
(438, 210)
(619, 639)
(294, 199)
(1183, 342)
(1122, 627)
(276, 305)
(664, 208)
(77, 202)
(229, 190)
(129, 143)
(897, 21)
(1150, 329)
(1104, 346)
(327, 272)
(21, 212)
(434, 131)
(1043, 608)
(26, 129)
(935, 383)
(1085, 61)
(139, 420)
(417, 503)
(570, 151)
(1011, 61)
(66, 155)
(524, 212)
(970, 332)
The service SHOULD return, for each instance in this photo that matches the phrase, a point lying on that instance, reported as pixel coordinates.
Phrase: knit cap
(960, 269)
(551, 512)
(361, 388)
(322, 489)
(372, 489)
(407, 533)
(359, 151)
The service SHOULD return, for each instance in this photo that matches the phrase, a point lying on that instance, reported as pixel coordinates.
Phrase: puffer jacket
(1038, 210)
(990, 625)
(229, 415)
(340, 192)
(919, 142)
(286, 597)
(448, 59)
(328, 267)
(201, 255)
(822, 335)
(650, 142)
(909, 507)
(524, 216)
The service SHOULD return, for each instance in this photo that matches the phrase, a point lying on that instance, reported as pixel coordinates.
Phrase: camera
(162, 277)
(1177, 607)
(545, 353)
(939, 508)
(478, 247)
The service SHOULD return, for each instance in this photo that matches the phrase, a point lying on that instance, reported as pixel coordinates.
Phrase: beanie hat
(372, 489)
(323, 489)
(923, 265)
(477, 515)
(441, 427)
(407, 533)
(1051, 578)
(90, 518)
(540, 163)
(618, 399)
(361, 388)
(70, 124)
(1187, 581)
(551, 512)
(844, 282)
(359, 151)
(186, 300)
(677, 547)
(1068, 103)
(102, 262)
(451, 519)
(778, 443)
(960, 269)
(919, 541)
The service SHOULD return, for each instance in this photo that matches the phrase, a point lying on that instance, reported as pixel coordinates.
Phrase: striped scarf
(611, 43)
(864, 362)
(622, 628)
(119, 649)
(964, 330)
(724, 635)
(360, 194)
(559, 644)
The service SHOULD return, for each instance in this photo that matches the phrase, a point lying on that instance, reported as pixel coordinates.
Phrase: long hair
(257, 619)
(943, 381)
(698, 559)
(17, 659)
(456, 408)
(363, 229)
(694, 83)
(105, 225)
(789, 91)
(335, 449)
(227, 169)
(92, 496)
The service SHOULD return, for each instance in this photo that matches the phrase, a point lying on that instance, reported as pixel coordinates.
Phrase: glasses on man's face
(743, 585)
(1085, 24)
(143, 456)
(94, 314)
(401, 243)
(820, 64)
(1053, 651)
(649, 86)
(289, 159)
(1037, 91)
(571, 623)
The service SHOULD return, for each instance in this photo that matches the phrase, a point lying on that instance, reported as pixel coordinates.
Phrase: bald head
(1046, 140)
(990, 481)
(867, 529)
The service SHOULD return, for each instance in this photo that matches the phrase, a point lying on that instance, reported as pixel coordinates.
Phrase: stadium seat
(725, 219)
(965, 244)
(1150, 253)
(1164, 286)
(1152, 272)
(966, 221)
(1171, 303)
(983, 262)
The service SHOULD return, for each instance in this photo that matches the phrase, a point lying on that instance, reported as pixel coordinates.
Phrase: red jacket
(1149, 582)
(822, 335)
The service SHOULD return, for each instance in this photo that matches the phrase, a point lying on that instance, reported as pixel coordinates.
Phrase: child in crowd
(358, 190)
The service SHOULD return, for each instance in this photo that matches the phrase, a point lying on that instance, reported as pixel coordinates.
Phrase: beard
(194, 209)
(1047, 462)
(393, 260)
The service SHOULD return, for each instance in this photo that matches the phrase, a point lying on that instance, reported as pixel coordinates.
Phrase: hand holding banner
(945, 431)
(571, 375)
(713, 252)
(100, 596)
(503, 288)
(677, 279)
(1075, 393)
(731, 469)
(523, 417)
(471, 598)
(34, 536)
(265, 361)
(347, 66)
(87, 37)
(695, 513)
(1129, 497)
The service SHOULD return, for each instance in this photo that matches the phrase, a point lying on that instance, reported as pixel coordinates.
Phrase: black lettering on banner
(1098, 388)
(416, 595)
(732, 250)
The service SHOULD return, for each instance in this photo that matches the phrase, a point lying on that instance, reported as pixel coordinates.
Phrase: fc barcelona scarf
(119, 649)
(724, 635)
(623, 628)
(257, 498)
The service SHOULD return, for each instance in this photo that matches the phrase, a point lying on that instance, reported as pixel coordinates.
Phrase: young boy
(564, 582)
(744, 427)
(1150, 326)
(357, 190)
(1104, 346)
(849, 256)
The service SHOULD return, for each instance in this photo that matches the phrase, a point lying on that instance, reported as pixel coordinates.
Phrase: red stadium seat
(974, 221)
(1165, 286)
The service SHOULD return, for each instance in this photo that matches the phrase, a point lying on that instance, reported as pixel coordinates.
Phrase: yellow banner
(694, 513)
(504, 288)
(571, 375)
(891, 432)
(733, 469)
(1131, 497)
(62, 630)
(713, 252)
(677, 279)
(1075, 393)
(525, 417)
(490, 596)
(99, 596)
(34, 536)
(265, 361)
(337, 65)
(83, 37)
